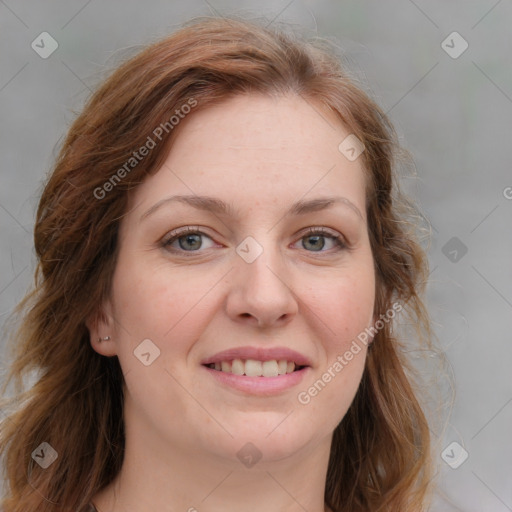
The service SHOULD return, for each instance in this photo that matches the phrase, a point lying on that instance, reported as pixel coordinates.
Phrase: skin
(184, 429)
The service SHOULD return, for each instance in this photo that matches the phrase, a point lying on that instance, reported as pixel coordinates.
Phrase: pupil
(316, 244)
(192, 239)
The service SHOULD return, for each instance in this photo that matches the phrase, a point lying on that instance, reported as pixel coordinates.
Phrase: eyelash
(177, 234)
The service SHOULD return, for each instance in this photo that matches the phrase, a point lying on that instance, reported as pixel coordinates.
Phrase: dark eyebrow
(219, 207)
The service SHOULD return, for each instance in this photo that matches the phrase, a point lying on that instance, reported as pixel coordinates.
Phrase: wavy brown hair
(380, 455)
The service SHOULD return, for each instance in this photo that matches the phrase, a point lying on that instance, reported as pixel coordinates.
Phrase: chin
(271, 444)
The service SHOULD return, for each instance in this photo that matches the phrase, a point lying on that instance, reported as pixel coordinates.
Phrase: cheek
(165, 307)
(344, 305)
(161, 304)
(345, 310)
(352, 309)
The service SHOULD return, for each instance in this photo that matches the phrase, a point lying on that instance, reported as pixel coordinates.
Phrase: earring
(106, 338)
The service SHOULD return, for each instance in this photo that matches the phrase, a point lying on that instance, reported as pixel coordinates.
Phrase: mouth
(256, 368)
(263, 371)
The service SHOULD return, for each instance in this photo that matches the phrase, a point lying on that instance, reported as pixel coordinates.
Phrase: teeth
(254, 368)
(271, 368)
(282, 366)
(237, 367)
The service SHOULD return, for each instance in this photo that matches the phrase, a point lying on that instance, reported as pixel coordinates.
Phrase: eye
(189, 239)
(315, 239)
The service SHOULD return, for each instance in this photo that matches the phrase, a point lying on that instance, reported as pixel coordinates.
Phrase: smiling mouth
(255, 368)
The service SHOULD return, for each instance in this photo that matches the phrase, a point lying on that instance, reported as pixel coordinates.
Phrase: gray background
(452, 114)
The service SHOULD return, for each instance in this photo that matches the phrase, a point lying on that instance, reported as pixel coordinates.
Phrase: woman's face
(253, 279)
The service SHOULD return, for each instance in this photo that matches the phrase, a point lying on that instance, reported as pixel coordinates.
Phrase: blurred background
(443, 73)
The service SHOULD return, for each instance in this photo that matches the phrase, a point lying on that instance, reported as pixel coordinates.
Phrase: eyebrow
(217, 206)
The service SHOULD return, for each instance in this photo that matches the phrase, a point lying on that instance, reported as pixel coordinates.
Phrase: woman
(223, 258)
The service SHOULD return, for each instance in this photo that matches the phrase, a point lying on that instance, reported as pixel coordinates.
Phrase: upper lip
(259, 354)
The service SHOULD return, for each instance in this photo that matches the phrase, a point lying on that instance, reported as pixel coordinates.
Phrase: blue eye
(191, 239)
(315, 238)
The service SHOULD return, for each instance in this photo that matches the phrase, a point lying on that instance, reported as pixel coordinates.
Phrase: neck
(155, 477)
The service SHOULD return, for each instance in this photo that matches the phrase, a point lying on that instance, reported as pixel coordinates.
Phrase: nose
(261, 292)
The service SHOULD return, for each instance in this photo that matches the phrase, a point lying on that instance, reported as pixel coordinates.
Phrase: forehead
(280, 125)
(258, 150)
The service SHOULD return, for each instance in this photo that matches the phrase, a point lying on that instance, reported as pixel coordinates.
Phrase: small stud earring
(106, 338)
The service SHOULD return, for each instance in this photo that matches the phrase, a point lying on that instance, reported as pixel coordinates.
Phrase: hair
(380, 457)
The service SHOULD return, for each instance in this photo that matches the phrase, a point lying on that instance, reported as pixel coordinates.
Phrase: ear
(101, 325)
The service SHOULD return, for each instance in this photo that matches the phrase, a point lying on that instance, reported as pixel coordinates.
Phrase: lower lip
(259, 385)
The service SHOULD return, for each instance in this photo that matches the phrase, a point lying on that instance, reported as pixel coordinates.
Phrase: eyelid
(181, 232)
(321, 230)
